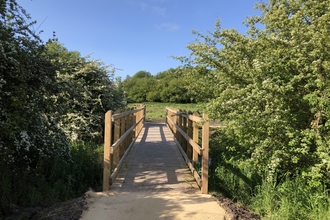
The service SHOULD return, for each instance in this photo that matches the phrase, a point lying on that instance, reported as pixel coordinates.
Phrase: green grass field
(156, 110)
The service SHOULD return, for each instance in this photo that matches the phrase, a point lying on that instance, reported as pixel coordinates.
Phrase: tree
(26, 82)
(198, 80)
(86, 93)
(49, 96)
(28, 133)
(120, 86)
(142, 74)
(271, 87)
(137, 87)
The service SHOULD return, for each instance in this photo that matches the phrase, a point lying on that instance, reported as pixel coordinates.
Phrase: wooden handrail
(127, 126)
(185, 115)
(123, 114)
(191, 141)
(186, 131)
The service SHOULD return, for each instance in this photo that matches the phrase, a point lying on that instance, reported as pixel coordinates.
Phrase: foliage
(197, 82)
(281, 197)
(167, 86)
(270, 90)
(141, 74)
(48, 96)
(229, 173)
(291, 199)
(120, 86)
(26, 78)
(271, 87)
(53, 179)
(28, 133)
(86, 92)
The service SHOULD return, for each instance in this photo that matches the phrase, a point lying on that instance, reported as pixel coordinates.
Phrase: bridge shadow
(155, 164)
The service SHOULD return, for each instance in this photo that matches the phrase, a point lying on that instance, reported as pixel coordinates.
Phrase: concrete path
(154, 183)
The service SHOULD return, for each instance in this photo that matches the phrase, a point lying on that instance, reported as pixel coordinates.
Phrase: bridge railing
(121, 130)
(186, 129)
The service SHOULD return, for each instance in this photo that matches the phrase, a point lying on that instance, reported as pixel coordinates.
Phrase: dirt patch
(68, 210)
(235, 211)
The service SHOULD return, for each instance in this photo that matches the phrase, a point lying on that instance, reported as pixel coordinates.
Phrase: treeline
(171, 86)
(50, 98)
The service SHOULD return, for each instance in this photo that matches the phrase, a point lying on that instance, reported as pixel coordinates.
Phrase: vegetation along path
(154, 184)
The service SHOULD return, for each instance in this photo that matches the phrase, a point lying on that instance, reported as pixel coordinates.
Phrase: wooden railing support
(195, 138)
(107, 155)
(205, 154)
(186, 135)
(127, 126)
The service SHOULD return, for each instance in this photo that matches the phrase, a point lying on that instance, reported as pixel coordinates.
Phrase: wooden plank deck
(155, 164)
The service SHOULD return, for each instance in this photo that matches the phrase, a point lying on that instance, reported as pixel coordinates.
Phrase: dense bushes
(284, 196)
(49, 98)
(271, 93)
(85, 91)
(271, 87)
(53, 179)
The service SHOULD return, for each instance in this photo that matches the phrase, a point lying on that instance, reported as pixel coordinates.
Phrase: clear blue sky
(134, 35)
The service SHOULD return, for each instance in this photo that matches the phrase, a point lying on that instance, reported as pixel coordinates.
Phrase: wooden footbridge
(154, 170)
(146, 156)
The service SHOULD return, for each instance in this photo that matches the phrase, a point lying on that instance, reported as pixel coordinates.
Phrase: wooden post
(205, 155)
(195, 138)
(106, 156)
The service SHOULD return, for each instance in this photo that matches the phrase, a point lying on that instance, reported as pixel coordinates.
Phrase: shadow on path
(155, 164)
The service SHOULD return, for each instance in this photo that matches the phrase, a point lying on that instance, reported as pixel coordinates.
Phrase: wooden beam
(195, 138)
(183, 114)
(205, 154)
(123, 114)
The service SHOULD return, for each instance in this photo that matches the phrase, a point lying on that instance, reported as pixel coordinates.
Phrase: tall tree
(26, 82)
(271, 86)
(142, 74)
(28, 133)
(87, 91)
(138, 86)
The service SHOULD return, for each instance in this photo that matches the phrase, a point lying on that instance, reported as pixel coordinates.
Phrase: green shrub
(54, 179)
(272, 195)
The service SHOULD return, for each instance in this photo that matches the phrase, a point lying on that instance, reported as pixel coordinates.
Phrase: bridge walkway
(155, 164)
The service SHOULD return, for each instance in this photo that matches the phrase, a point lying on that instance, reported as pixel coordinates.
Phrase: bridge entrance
(155, 156)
